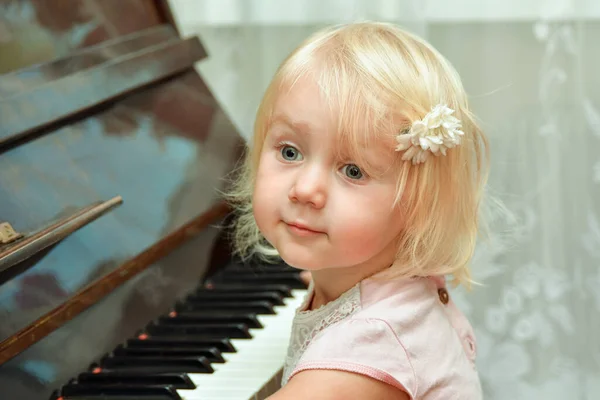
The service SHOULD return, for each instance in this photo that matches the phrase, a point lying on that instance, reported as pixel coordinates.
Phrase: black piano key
(118, 392)
(220, 297)
(257, 307)
(291, 279)
(200, 317)
(226, 274)
(234, 331)
(284, 290)
(157, 364)
(257, 269)
(251, 263)
(224, 345)
(176, 380)
(212, 354)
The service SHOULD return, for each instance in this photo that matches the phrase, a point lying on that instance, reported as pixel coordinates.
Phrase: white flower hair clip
(438, 131)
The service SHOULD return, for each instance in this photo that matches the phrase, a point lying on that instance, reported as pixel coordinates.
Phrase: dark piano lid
(112, 154)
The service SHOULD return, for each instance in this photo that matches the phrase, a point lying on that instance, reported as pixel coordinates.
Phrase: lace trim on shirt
(308, 324)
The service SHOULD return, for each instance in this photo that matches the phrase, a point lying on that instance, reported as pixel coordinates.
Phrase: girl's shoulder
(405, 332)
(415, 304)
(423, 316)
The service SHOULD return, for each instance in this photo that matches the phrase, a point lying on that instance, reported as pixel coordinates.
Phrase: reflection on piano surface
(116, 280)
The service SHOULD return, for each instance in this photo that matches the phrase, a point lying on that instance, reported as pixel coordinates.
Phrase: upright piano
(116, 275)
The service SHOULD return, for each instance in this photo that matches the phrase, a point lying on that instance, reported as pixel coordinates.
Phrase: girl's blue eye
(352, 171)
(290, 153)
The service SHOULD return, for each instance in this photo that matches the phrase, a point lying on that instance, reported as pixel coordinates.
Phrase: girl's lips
(302, 230)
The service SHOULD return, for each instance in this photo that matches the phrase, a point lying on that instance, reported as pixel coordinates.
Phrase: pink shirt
(405, 332)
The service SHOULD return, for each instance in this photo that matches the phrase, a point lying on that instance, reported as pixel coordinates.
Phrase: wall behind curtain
(531, 71)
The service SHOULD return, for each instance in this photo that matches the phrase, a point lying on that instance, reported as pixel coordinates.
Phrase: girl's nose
(310, 187)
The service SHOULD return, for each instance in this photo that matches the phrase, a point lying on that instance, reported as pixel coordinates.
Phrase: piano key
(73, 391)
(238, 331)
(258, 307)
(256, 269)
(157, 364)
(255, 361)
(207, 297)
(201, 317)
(176, 380)
(222, 344)
(291, 279)
(212, 354)
(284, 290)
(235, 272)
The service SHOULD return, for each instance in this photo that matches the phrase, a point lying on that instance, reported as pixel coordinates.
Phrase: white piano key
(256, 361)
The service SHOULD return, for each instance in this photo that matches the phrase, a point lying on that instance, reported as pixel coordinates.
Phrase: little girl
(367, 168)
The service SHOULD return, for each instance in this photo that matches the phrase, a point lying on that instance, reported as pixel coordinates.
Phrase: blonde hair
(378, 76)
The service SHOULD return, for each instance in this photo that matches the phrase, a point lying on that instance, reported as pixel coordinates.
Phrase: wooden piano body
(112, 155)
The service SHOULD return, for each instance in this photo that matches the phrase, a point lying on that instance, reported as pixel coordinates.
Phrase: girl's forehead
(354, 133)
(359, 122)
(353, 113)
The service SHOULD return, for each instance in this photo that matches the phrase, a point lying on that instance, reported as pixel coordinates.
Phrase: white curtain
(531, 68)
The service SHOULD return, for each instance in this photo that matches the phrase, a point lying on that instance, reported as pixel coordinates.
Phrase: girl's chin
(302, 263)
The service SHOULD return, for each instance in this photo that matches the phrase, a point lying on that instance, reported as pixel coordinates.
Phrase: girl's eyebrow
(301, 127)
